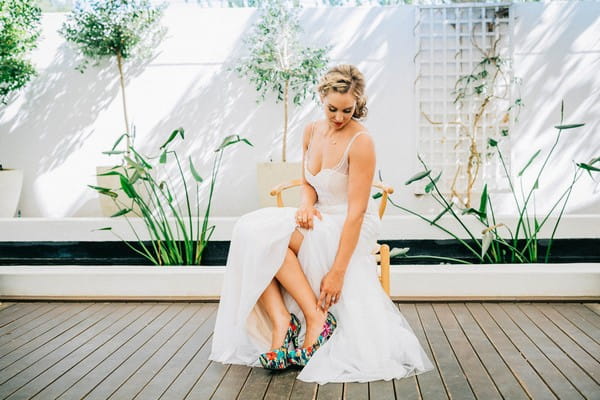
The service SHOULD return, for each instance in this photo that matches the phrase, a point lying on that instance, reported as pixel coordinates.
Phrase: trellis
(450, 41)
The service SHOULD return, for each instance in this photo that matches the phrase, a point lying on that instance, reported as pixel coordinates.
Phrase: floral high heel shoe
(301, 355)
(278, 358)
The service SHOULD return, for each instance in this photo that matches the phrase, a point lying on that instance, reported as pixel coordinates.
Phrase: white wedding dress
(372, 341)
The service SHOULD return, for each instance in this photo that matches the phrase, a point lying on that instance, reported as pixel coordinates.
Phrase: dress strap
(344, 158)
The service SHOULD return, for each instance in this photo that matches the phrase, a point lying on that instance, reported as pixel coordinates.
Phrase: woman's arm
(308, 193)
(360, 178)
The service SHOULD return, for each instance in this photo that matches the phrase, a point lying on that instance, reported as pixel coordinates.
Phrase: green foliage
(101, 29)
(143, 194)
(493, 247)
(277, 55)
(19, 31)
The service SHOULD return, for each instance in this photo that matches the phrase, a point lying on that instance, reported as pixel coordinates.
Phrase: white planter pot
(271, 174)
(577, 281)
(11, 183)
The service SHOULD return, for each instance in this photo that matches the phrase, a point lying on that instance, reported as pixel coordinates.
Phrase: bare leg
(292, 278)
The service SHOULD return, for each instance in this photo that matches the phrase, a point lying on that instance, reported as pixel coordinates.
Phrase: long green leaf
(569, 126)
(448, 207)
(483, 201)
(178, 131)
(529, 162)
(588, 167)
(195, 173)
(431, 184)
(121, 212)
(128, 188)
(417, 177)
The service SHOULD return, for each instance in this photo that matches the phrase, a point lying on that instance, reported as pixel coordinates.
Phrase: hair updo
(345, 78)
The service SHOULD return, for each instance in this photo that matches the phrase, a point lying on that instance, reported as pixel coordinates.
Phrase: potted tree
(278, 62)
(118, 30)
(19, 31)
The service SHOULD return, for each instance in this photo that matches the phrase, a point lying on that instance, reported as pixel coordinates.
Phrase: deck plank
(585, 324)
(553, 377)
(304, 390)
(160, 350)
(573, 331)
(172, 340)
(430, 384)
(475, 371)
(34, 350)
(502, 377)
(381, 390)
(153, 321)
(29, 322)
(570, 348)
(256, 385)
(356, 391)
(186, 380)
(232, 382)
(14, 311)
(330, 391)
(450, 370)
(33, 379)
(574, 374)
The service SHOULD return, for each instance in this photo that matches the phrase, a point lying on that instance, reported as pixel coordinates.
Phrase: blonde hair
(345, 78)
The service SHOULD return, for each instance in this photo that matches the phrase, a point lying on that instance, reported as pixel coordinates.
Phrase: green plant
(277, 60)
(479, 97)
(157, 202)
(19, 32)
(122, 29)
(493, 247)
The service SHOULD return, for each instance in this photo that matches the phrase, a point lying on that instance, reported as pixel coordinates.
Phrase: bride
(301, 284)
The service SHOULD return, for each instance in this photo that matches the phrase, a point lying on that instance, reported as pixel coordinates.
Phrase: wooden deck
(151, 350)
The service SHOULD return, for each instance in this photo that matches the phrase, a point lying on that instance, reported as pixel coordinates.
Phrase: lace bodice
(331, 184)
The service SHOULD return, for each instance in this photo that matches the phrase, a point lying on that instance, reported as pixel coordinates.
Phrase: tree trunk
(285, 118)
(122, 80)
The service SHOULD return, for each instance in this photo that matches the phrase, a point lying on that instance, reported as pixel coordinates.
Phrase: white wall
(57, 127)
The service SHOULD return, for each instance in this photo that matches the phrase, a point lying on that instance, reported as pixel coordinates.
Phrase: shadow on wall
(548, 59)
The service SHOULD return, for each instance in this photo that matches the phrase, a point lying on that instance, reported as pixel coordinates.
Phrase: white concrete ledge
(580, 281)
(393, 227)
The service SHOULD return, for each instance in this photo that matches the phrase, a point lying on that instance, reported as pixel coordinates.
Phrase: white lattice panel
(451, 41)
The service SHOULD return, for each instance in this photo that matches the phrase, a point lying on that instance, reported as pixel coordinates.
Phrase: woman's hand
(331, 289)
(305, 215)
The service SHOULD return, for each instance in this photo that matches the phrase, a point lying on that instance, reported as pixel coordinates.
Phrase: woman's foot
(301, 355)
(280, 330)
(277, 357)
(314, 327)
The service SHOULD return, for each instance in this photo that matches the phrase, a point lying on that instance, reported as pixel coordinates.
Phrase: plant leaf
(163, 157)
(483, 201)
(471, 210)
(417, 177)
(492, 142)
(377, 195)
(106, 228)
(173, 135)
(588, 167)
(529, 162)
(128, 188)
(486, 240)
(398, 252)
(431, 184)
(568, 126)
(121, 212)
(195, 173)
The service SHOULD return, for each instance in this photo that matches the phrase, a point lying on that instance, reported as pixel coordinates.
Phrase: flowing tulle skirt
(373, 340)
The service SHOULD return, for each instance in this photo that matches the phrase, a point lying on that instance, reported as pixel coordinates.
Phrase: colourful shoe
(301, 355)
(278, 358)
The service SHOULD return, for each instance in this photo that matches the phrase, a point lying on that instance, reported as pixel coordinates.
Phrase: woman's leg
(292, 278)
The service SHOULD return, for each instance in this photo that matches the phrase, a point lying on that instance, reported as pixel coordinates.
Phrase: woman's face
(339, 108)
